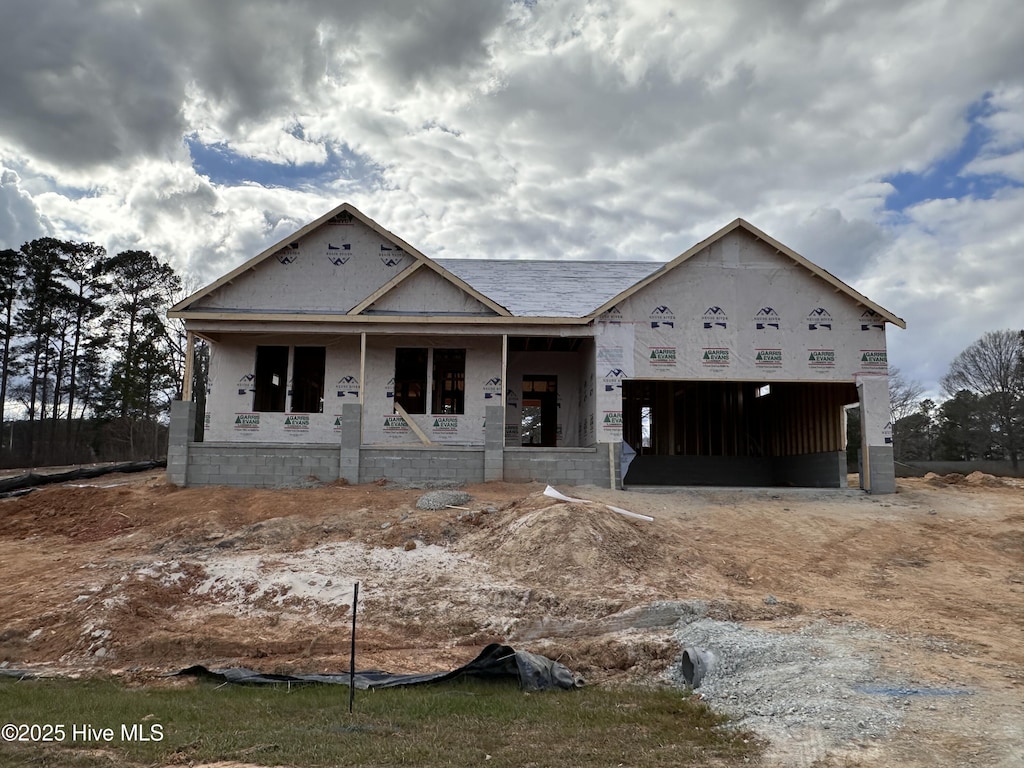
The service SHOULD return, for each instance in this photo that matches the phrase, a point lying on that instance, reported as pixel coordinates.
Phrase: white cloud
(1003, 152)
(580, 129)
(20, 219)
(953, 272)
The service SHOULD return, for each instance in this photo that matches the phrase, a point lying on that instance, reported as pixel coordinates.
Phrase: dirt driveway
(850, 630)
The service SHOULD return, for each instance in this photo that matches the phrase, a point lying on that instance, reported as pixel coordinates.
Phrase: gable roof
(526, 288)
(789, 253)
(419, 259)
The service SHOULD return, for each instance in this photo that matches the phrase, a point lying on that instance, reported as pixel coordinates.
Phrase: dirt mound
(976, 478)
(925, 583)
(565, 542)
(981, 478)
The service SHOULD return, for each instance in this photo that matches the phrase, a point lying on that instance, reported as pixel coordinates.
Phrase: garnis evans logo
(663, 355)
(821, 358)
(613, 418)
(298, 421)
(874, 358)
(715, 356)
(768, 358)
(395, 424)
(247, 421)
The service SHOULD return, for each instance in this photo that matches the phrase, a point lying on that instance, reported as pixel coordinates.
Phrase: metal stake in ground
(352, 657)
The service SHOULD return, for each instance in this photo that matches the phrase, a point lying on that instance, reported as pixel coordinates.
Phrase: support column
(494, 443)
(190, 351)
(878, 469)
(351, 431)
(183, 424)
(362, 381)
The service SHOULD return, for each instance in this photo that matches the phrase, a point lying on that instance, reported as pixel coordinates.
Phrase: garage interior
(748, 433)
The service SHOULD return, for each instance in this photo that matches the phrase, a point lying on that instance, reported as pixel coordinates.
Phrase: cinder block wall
(281, 466)
(882, 468)
(260, 466)
(565, 466)
(422, 464)
(183, 419)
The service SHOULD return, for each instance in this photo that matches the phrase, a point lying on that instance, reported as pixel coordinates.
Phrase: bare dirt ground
(851, 630)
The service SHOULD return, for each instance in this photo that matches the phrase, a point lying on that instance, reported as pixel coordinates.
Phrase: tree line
(90, 365)
(90, 362)
(983, 415)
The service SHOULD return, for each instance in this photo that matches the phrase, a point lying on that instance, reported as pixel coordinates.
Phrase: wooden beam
(379, 293)
(362, 385)
(504, 375)
(412, 424)
(333, 317)
(190, 351)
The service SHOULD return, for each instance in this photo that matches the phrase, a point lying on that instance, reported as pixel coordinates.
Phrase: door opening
(540, 411)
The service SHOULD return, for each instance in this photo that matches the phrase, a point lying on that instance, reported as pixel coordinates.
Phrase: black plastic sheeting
(21, 484)
(496, 662)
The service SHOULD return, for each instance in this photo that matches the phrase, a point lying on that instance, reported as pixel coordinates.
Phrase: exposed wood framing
(504, 369)
(190, 350)
(716, 418)
(412, 424)
(362, 380)
(337, 317)
(399, 278)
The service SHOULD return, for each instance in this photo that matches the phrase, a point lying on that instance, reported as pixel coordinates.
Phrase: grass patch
(450, 724)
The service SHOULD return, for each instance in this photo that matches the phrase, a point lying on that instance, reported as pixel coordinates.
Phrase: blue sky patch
(222, 165)
(946, 178)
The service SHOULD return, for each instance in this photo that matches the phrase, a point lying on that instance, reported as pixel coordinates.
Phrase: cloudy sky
(883, 140)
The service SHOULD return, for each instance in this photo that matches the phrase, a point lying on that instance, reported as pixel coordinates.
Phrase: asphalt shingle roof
(533, 288)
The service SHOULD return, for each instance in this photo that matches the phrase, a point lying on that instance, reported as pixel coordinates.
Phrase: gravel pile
(442, 499)
(814, 681)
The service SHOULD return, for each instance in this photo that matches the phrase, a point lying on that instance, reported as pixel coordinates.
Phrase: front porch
(282, 465)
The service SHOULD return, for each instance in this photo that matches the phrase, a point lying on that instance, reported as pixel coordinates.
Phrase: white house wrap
(344, 352)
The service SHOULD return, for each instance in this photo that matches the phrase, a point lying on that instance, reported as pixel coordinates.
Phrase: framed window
(411, 379)
(449, 381)
(271, 381)
(445, 389)
(308, 379)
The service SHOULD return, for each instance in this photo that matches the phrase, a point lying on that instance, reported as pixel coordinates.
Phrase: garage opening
(746, 433)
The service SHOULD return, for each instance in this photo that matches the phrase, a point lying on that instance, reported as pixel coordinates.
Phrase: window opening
(308, 379)
(449, 381)
(646, 419)
(271, 379)
(411, 379)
